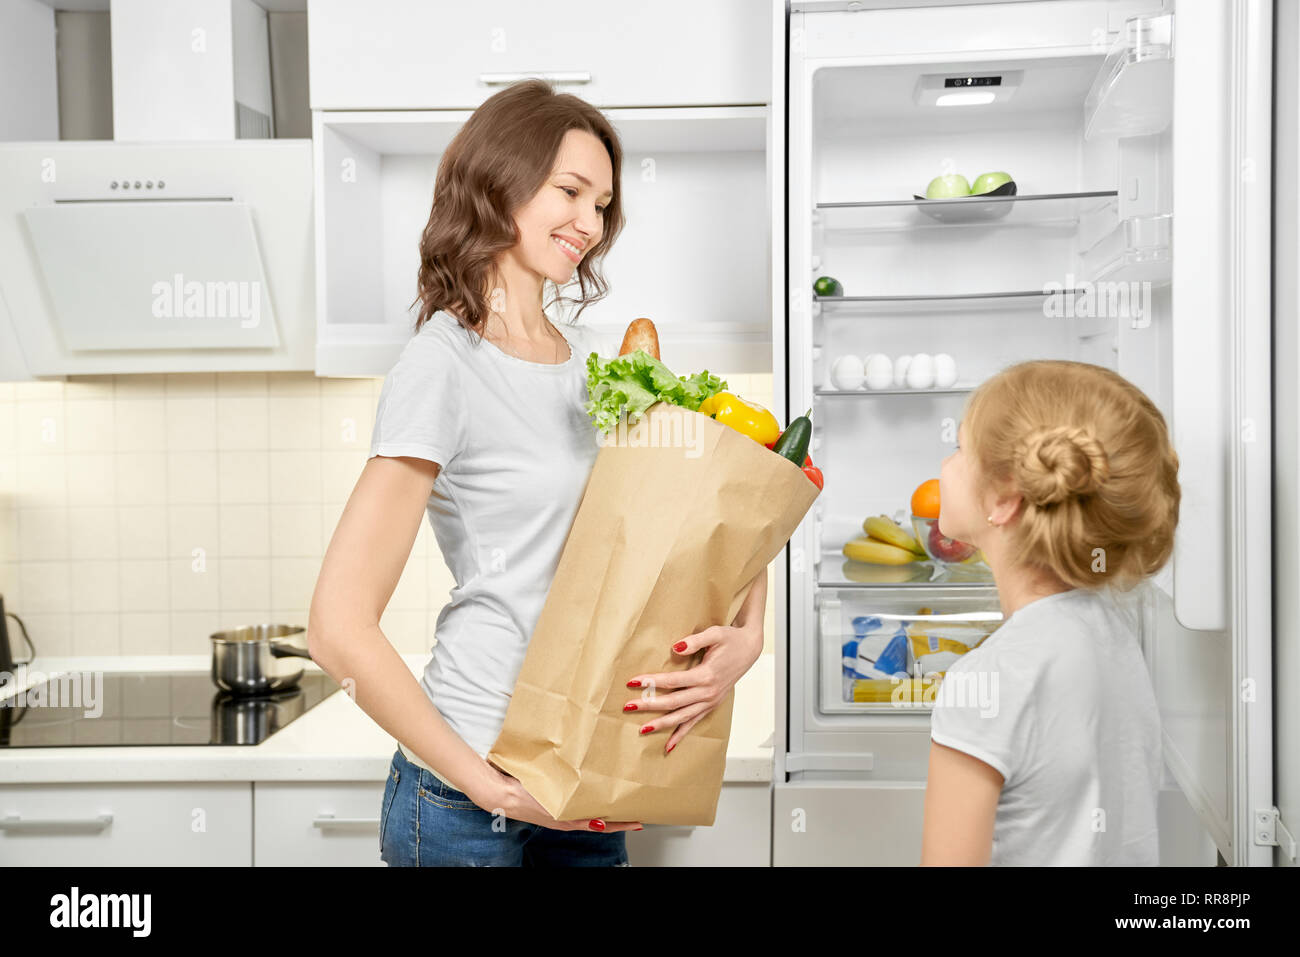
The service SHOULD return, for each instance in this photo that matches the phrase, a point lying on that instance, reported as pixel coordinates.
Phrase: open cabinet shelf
(375, 173)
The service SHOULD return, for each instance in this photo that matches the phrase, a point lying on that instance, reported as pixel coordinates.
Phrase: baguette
(640, 335)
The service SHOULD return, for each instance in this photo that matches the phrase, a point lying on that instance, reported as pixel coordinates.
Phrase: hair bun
(1059, 462)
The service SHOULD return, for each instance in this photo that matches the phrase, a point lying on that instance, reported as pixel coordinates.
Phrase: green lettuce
(636, 381)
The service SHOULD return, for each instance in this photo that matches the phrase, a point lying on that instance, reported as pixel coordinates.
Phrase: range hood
(197, 70)
(165, 257)
(178, 246)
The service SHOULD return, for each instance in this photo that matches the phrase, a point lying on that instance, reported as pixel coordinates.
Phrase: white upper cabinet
(450, 54)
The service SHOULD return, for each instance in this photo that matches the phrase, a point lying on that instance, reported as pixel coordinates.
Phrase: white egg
(847, 373)
(920, 374)
(945, 371)
(880, 371)
(900, 371)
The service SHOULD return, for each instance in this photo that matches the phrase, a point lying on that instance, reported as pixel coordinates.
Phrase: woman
(1046, 737)
(493, 440)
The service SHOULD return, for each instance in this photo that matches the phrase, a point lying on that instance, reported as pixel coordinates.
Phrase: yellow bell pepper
(746, 418)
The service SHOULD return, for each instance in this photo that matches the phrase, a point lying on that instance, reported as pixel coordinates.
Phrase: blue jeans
(426, 823)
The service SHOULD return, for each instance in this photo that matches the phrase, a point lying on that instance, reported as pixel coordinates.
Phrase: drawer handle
(328, 822)
(671, 828)
(15, 823)
(502, 79)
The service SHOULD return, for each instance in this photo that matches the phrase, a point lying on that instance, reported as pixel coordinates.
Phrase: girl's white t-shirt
(1059, 701)
(516, 447)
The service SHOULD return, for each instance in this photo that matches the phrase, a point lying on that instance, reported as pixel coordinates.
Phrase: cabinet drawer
(845, 825)
(417, 54)
(741, 835)
(126, 825)
(317, 824)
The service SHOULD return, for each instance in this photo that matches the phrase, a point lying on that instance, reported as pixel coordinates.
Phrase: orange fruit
(925, 500)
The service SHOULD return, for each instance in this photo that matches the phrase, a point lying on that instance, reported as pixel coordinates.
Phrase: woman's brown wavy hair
(1091, 456)
(495, 164)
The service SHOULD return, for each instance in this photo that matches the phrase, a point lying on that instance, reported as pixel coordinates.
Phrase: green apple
(988, 182)
(946, 187)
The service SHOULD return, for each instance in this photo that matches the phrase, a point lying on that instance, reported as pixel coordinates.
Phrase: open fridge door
(1210, 616)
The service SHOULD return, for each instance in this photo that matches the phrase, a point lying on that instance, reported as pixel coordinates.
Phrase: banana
(885, 529)
(877, 553)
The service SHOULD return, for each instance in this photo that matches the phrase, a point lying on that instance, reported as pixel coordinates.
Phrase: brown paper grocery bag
(679, 515)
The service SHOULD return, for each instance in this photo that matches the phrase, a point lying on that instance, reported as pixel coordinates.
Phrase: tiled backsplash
(141, 513)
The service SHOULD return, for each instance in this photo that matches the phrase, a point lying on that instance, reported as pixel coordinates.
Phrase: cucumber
(793, 443)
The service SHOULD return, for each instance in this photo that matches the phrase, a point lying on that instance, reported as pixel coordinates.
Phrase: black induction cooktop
(149, 709)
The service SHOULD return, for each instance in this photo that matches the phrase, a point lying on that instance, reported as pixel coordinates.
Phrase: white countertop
(333, 741)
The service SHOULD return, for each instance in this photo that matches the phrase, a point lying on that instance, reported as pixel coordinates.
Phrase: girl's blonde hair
(1091, 456)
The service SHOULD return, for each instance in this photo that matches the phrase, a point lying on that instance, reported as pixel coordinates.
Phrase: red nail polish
(638, 828)
(670, 748)
(630, 706)
(680, 646)
(598, 825)
(647, 728)
(634, 683)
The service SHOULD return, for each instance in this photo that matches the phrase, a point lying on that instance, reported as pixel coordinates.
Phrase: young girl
(482, 424)
(1046, 738)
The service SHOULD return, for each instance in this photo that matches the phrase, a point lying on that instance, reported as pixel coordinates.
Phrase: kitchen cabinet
(206, 824)
(316, 823)
(415, 54)
(741, 834)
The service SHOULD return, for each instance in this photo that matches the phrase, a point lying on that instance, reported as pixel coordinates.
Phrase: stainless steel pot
(245, 661)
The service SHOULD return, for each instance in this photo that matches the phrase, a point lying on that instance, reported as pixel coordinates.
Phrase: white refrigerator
(1139, 135)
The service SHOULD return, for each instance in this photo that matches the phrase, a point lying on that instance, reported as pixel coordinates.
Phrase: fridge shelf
(955, 390)
(1133, 92)
(1138, 249)
(1031, 300)
(1043, 210)
(836, 571)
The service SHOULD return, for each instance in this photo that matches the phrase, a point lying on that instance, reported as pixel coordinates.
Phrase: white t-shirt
(516, 448)
(1059, 701)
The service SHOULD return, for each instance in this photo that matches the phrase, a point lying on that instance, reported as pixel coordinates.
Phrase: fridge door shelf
(1133, 92)
(836, 571)
(1138, 249)
(1038, 211)
(888, 651)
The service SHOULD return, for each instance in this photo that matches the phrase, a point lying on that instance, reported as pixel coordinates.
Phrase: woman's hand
(502, 794)
(693, 693)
